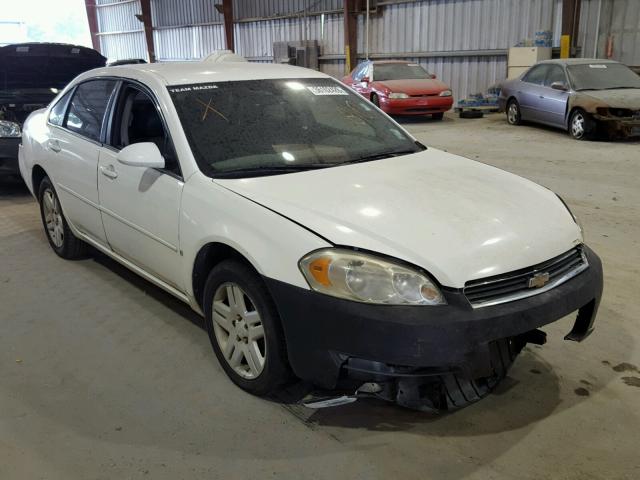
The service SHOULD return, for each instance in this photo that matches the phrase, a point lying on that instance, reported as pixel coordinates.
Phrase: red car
(401, 88)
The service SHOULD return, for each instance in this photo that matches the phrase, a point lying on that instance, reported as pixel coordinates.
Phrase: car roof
(185, 73)
(577, 61)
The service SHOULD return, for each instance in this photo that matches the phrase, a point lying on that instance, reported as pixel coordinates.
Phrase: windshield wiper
(268, 170)
(620, 88)
(380, 156)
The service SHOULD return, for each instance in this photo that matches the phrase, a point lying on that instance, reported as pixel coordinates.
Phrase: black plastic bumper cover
(322, 331)
(9, 156)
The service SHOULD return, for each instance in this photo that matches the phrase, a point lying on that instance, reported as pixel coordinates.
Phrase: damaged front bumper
(619, 126)
(333, 342)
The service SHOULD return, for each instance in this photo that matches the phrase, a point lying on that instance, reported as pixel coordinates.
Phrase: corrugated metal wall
(463, 42)
(618, 19)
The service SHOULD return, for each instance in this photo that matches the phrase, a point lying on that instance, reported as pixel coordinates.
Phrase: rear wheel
(437, 116)
(514, 116)
(244, 328)
(60, 236)
(581, 125)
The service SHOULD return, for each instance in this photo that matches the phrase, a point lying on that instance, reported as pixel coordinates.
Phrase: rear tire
(437, 116)
(244, 328)
(514, 116)
(60, 236)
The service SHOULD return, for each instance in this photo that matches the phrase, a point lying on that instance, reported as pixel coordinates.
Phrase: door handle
(109, 171)
(54, 145)
(541, 96)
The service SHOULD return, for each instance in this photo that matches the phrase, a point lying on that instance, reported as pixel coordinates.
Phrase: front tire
(244, 328)
(375, 100)
(60, 236)
(514, 116)
(581, 125)
(437, 116)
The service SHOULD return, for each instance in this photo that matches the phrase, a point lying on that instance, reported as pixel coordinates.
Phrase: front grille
(426, 95)
(527, 281)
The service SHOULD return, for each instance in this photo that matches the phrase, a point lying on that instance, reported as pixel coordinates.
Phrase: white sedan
(317, 237)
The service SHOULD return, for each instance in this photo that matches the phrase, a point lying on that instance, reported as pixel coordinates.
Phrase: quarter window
(87, 107)
(56, 116)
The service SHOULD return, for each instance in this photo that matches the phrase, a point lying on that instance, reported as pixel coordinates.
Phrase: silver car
(583, 96)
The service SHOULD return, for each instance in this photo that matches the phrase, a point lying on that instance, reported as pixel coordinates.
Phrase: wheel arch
(570, 111)
(210, 255)
(37, 175)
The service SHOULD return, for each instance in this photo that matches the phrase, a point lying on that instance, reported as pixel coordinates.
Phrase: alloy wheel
(512, 114)
(577, 125)
(239, 330)
(53, 218)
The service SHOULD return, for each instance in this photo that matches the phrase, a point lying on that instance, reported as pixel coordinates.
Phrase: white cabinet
(521, 58)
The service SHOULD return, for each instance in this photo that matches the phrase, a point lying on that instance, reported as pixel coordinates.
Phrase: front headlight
(369, 279)
(446, 93)
(9, 129)
(398, 95)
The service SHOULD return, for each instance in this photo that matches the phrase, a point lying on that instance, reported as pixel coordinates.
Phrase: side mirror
(144, 154)
(365, 80)
(433, 76)
(559, 86)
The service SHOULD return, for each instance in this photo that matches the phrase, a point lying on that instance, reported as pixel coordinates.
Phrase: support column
(92, 17)
(350, 34)
(227, 11)
(148, 29)
(570, 26)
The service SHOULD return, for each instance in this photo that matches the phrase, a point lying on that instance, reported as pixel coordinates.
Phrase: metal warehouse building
(470, 57)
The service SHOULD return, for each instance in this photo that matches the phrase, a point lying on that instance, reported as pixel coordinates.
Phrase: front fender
(272, 243)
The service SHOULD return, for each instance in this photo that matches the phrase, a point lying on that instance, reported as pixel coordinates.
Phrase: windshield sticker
(327, 90)
(192, 88)
(597, 66)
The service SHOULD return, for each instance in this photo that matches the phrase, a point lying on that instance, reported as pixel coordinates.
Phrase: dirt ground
(103, 376)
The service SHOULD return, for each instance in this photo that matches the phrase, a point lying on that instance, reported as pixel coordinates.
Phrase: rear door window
(87, 108)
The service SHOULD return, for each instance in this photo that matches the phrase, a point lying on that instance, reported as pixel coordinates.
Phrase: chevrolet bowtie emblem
(538, 280)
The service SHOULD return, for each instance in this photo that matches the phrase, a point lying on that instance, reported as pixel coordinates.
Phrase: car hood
(414, 87)
(457, 218)
(619, 98)
(27, 66)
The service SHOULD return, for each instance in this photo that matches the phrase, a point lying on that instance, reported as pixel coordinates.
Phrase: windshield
(602, 76)
(399, 71)
(263, 127)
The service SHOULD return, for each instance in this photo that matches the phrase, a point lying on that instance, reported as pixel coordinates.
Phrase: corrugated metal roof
(190, 29)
